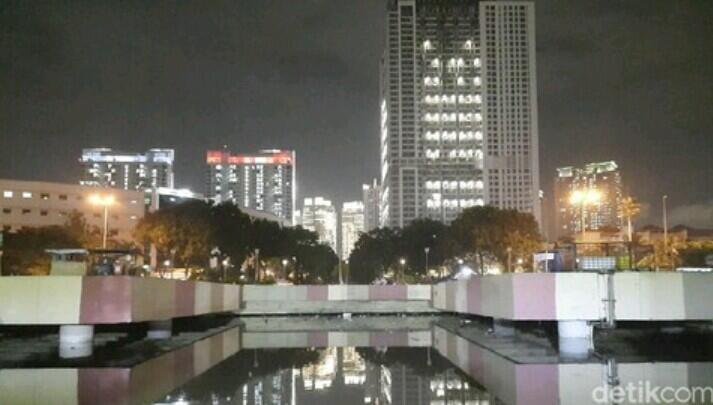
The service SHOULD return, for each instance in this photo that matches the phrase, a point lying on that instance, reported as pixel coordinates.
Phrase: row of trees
(24, 252)
(485, 236)
(194, 234)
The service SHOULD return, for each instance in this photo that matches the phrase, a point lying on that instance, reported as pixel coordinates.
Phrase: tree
(373, 255)
(24, 251)
(419, 235)
(189, 232)
(488, 232)
(629, 208)
(181, 233)
(315, 263)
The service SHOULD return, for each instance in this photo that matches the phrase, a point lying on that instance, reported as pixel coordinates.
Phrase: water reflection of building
(342, 376)
(338, 366)
(274, 389)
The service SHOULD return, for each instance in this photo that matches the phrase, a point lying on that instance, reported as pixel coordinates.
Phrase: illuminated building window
(7, 194)
(26, 194)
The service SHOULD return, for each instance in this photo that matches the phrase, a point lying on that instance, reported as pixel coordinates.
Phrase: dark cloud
(623, 80)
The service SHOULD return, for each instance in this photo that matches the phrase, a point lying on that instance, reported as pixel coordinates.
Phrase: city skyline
(651, 111)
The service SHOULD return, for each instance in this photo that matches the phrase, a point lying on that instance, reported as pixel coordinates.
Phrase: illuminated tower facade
(458, 109)
(263, 181)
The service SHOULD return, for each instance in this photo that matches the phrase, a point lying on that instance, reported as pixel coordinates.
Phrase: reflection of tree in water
(228, 377)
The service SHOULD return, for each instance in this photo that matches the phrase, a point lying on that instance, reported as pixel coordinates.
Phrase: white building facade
(353, 225)
(319, 216)
(263, 181)
(33, 204)
(371, 194)
(458, 109)
(104, 167)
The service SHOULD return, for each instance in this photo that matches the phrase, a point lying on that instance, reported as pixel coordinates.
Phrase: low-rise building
(29, 204)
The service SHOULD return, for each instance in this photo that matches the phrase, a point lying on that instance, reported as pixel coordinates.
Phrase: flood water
(316, 360)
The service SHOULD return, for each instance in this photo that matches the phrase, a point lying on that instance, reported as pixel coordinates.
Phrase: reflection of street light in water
(104, 201)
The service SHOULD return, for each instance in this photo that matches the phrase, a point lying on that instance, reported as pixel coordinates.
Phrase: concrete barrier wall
(510, 382)
(68, 300)
(526, 296)
(393, 292)
(580, 296)
(65, 300)
(146, 383)
(664, 296)
(564, 383)
(324, 299)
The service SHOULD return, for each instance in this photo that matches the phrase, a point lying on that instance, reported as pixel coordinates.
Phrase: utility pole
(665, 227)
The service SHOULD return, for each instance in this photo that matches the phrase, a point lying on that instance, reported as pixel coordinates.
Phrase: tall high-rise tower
(604, 179)
(458, 109)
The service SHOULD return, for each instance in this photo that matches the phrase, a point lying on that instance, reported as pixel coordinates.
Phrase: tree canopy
(188, 234)
(482, 235)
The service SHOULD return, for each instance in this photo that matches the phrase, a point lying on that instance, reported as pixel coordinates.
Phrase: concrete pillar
(575, 339)
(160, 329)
(75, 341)
(503, 327)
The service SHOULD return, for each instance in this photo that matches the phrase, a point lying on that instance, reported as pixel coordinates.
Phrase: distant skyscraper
(604, 177)
(319, 215)
(458, 109)
(105, 167)
(265, 181)
(370, 198)
(352, 224)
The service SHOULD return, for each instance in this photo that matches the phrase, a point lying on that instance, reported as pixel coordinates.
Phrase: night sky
(630, 81)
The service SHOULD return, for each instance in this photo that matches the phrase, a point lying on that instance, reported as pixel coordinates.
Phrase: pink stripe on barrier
(318, 339)
(105, 299)
(474, 295)
(185, 298)
(476, 369)
(537, 384)
(388, 292)
(534, 296)
(103, 386)
(183, 363)
(216, 295)
(317, 292)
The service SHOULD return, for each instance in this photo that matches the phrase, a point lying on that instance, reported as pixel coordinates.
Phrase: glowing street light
(402, 261)
(104, 201)
(583, 198)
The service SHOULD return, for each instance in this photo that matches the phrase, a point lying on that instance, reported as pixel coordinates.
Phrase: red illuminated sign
(214, 157)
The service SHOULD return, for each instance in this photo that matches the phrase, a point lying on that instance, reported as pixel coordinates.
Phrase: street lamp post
(104, 201)
(402, 261)
(509, 250)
